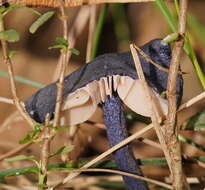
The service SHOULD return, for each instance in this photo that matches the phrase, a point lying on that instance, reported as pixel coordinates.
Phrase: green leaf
(74, 51)
(64, 149)
(12, 53)
(58, 46)
(40, 21)
(9, 35)
(26, 139)
(31, 135)
(20, 157)
(62, 41)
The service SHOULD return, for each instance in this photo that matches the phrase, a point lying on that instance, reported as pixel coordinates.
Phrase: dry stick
(156, 114)
(45, 152)
(123, 173)
(62, 68)
(68, 3)
(192, 101)
(150, 142)
(109, 151)
(159, 130)
(63, 64)
(6, 100)
(92, 26)
(171, 132)
(148, 59)
(8, 62)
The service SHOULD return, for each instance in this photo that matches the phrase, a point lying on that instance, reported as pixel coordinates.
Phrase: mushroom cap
(90, 84)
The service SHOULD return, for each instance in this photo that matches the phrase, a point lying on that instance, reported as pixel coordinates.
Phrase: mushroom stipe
(110, 79)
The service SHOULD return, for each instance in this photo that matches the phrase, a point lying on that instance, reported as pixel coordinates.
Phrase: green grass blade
(98, 32)
(167, 14)
(191, 142)
(197, 28)
(187, 47)
(23, 80)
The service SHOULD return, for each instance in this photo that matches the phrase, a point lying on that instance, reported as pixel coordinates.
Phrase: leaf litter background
(34, 61)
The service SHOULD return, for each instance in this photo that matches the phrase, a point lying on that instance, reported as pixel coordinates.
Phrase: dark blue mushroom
(110, 79)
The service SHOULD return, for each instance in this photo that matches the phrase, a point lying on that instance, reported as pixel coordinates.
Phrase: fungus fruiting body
(110, 79)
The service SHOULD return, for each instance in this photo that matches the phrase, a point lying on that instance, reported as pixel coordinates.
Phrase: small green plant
(64, 45)
(38, 163)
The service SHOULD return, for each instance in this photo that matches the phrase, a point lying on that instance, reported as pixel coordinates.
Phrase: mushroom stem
(116, 131)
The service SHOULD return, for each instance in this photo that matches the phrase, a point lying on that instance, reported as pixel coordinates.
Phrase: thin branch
(156, 114)
(69, 3)
(150, 142)
(8, 62)
(45, 151)
(123, 173)
(63, 64)
(148, 59)
(6, 100)
(192, 101)
(171, 132)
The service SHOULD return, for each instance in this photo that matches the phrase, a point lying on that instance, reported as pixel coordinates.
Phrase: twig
(45, 152)
(156, 114)
(148, 59)
(109, 151)
(171, 132)
(69, 3)
(123, 173)
(6, 100)
(192, 101)
(15, 151)
(8, 62)
(150, 142)
(63, 64)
